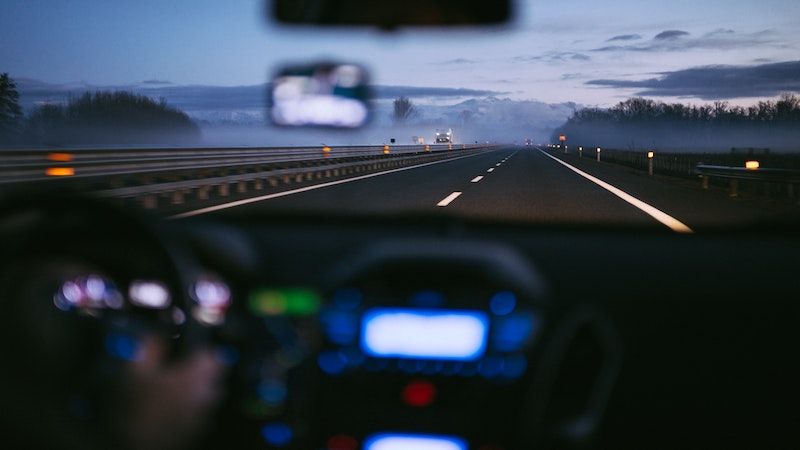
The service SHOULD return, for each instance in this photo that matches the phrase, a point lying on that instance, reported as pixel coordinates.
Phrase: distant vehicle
(528, 142)
(444, 136)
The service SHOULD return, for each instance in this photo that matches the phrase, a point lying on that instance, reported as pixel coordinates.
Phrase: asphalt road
(518, 184)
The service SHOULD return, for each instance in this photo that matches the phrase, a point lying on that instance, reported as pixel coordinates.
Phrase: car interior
(304, 330)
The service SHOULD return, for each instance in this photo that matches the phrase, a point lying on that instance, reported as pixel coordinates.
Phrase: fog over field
(233, 116)
(236, 116)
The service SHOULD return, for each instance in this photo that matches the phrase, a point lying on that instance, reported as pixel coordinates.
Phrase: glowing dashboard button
(149, 294)
(503, 303)
(413, 442)
(419, 393)
(342, 442)
(211, 293)
(277, 434)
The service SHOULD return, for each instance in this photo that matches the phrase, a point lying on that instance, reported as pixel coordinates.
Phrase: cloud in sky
(389, 92)
(553, 57)
(677, 40)
(722, 31)
(456, 61)
(716, 82)
(572, 76)
(625, 37)
(670, 34)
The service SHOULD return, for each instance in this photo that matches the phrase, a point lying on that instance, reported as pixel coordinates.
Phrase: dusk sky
(586, 51)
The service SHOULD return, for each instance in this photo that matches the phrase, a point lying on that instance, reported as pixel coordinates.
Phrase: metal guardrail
(764, 175)
(175, 175)
(742, 173)
(681, 163)
(39, 165)
(773, 180)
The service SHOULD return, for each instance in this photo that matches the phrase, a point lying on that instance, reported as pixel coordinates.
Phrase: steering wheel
(83, 283)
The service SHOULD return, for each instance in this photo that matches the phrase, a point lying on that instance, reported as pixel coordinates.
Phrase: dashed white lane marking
(491, 170)
(652, 211)
(449, 199)
(477, 179)
(245, 201)
(498, 164)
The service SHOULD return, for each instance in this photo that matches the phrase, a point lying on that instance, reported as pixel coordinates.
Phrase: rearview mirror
(321, 95)
(392, 13)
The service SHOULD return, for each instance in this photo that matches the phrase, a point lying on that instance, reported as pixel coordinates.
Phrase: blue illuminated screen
(424, 334)
(413, 442)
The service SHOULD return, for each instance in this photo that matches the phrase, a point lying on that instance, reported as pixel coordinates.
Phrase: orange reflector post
(60, 157)
(427, 148)
(385, 149)
(752, 165)
(60, 171)
(326, 149)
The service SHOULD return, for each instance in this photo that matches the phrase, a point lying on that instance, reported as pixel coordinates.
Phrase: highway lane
(531, 187)
(683, 198)
(509, 183)
(409, 189)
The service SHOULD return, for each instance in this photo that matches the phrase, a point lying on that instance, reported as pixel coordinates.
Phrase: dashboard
(436, 334)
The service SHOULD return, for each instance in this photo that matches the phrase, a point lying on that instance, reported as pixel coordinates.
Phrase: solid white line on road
(306, 189)
(652, 211)
(491, 170)
(449, 199)
(477, 179)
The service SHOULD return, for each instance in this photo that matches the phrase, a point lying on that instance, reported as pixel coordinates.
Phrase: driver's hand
(169, 401)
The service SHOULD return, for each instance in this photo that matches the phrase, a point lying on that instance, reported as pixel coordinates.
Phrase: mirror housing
(392, 13)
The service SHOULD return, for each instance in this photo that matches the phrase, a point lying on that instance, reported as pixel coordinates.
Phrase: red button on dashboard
(419, 393)
(342, 442)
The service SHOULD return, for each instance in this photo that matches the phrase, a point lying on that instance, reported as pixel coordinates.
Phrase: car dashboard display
(439, 337)
(393, 356)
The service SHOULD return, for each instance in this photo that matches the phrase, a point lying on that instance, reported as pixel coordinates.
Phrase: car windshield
(675, 115)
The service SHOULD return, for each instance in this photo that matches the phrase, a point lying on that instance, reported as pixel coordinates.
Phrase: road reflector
(650, 155)
(386, 150)
(752, 165)
(60, 171)
(326, 149)
(60, 157)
